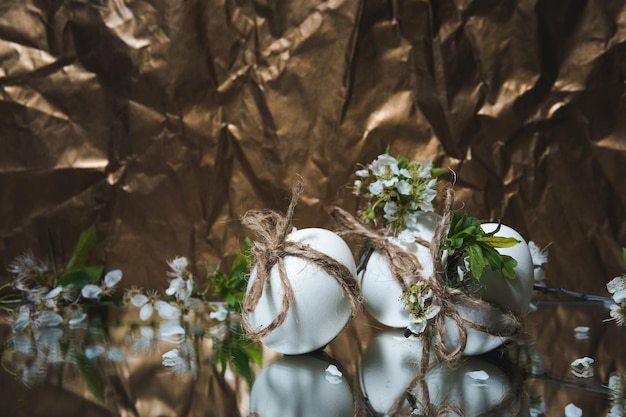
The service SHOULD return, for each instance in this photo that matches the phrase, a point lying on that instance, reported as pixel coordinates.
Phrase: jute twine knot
(405, 268)
(270, 249)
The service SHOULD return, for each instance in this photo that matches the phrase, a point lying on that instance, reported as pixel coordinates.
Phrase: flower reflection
(182, 360)
(617, 389)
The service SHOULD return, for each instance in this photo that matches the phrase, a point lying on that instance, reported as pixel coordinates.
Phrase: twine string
(448, 299)
(270, 250)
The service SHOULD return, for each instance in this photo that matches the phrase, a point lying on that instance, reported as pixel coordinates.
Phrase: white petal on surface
(572, 411)
(333, 375)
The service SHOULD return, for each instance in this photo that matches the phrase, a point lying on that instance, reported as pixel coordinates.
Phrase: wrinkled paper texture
(164, 121)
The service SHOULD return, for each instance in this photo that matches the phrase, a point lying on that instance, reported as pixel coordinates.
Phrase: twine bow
(270, 250)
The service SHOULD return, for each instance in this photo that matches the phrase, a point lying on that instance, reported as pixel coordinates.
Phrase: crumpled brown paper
(163, 121)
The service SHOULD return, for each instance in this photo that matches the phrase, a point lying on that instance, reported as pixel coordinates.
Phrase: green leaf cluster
(238, 351)
(231, 288)
(466, 236)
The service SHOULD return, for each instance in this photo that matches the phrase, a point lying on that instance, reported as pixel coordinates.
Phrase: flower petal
(91, 291)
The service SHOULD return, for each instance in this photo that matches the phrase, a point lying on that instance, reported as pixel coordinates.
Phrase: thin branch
(575, 294)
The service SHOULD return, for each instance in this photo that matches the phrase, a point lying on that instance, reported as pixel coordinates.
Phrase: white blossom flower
(181, 287)
(417, 324)
(376, 188)
(362, 173)
(357, 187)
(383, 164)
(404, 187)
(150, 302)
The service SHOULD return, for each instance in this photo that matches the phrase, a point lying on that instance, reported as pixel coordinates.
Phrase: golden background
(163, 121)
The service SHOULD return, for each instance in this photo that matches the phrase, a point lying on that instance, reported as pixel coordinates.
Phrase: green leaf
(476, 260)
(437, 172)
(508, 267)
(78, 278)
(624, 254)
(500, 242)
(492, 256)
(88, 370)
(84, 247)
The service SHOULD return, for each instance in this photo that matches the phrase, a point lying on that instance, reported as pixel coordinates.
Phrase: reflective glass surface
(114, 364)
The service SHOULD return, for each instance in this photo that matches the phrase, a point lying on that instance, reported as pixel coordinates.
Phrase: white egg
(513, 294)
(301, 386)
(474, 385)
(381, 292)
(389, 364)
(477, 342)
(319, 310)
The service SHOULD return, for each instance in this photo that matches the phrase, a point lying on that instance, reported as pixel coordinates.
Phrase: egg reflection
(301, 386)
(474, 385)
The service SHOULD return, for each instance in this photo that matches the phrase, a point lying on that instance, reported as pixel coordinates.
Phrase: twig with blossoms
(46, 296)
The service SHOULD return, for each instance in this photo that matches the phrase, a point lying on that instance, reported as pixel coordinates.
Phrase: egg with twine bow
(464, 324)
(302, 289)
(380, 286)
